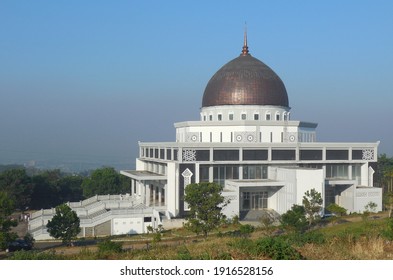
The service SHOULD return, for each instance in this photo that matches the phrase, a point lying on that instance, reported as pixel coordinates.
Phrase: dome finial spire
(245, 47)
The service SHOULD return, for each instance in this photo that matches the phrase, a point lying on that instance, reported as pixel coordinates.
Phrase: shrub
(276, 249)
(183, 253)
(246, 229)
(299, 239)
(109, 246)
(34, 255)
(245, 245)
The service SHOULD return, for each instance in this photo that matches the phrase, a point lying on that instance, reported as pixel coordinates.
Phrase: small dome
(245, 80)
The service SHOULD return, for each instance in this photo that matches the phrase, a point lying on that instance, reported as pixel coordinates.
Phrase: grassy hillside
(350, 238)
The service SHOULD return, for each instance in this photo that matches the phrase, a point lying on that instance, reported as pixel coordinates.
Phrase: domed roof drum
(245, 80)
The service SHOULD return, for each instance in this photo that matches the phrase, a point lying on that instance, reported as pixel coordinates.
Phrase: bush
(299, 239)
(34, 255)
(183, 253)
(244, 245)
(276, 249)
(109, 246)
(246, 229)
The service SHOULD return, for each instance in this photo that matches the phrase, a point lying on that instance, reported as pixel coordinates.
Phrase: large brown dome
(245, 80)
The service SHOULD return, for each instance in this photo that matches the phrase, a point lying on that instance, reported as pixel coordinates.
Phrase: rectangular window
(210, 117)
(283, 154)
(254, 172)
(255, 154)
(268, 117)
(231, 117)
(256, 117)
(225, 155)
(162, 154)
(277, 117)
(310, 154)
(357, 154)
(337, 171)
(222, 172)
(219, 117)
(244, 116)
(202, 155)
(204, 173)
(168, 154)
(336, 154)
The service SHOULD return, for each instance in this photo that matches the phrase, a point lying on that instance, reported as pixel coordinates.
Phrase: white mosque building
(246, 141)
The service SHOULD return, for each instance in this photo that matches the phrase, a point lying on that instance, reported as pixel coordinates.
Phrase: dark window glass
(156, 153)
(151, 152)
(222, 155)
(202, 155)
(175, 154)
(168, 154)
(254, 172)
(147, 219)
(254, 154)
(310, 154)
(256, 117)
(146, 152)
(222, 172)
(357, 154)
(283, 155)
(204, 173)
(337, 154)
(162, 154)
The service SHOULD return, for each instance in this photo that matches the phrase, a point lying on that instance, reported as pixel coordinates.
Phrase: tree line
(46, 189)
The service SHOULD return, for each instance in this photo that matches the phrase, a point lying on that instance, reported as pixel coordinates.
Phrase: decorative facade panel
(245, 136)
(189, 155)
(192, 137)
(368, 154)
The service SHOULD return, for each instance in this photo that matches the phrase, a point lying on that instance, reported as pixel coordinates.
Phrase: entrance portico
(147, 186)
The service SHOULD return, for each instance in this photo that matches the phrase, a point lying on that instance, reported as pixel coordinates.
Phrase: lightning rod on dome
(245, 47)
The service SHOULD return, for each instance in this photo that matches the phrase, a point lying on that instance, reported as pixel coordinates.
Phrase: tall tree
(65, 224)
(6, 209)
(312, 202)
(105, 181)
(18, 185)
(205, 202)
(295, 218)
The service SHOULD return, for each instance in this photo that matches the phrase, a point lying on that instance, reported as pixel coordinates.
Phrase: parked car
(18, 245)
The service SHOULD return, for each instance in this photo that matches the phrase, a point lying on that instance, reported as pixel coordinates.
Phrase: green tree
(65, 224)
(45, 192)
(18, 185)
(336, 209)
(295, 218)
(205, 202)
(105, 181)
(6, 223)
(312, 202)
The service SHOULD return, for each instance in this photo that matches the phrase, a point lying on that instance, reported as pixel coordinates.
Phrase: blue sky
(83, 81)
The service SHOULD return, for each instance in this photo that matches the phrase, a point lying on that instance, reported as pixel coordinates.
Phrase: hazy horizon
(82, 82)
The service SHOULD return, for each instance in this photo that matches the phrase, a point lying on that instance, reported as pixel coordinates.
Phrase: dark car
(18, 245)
